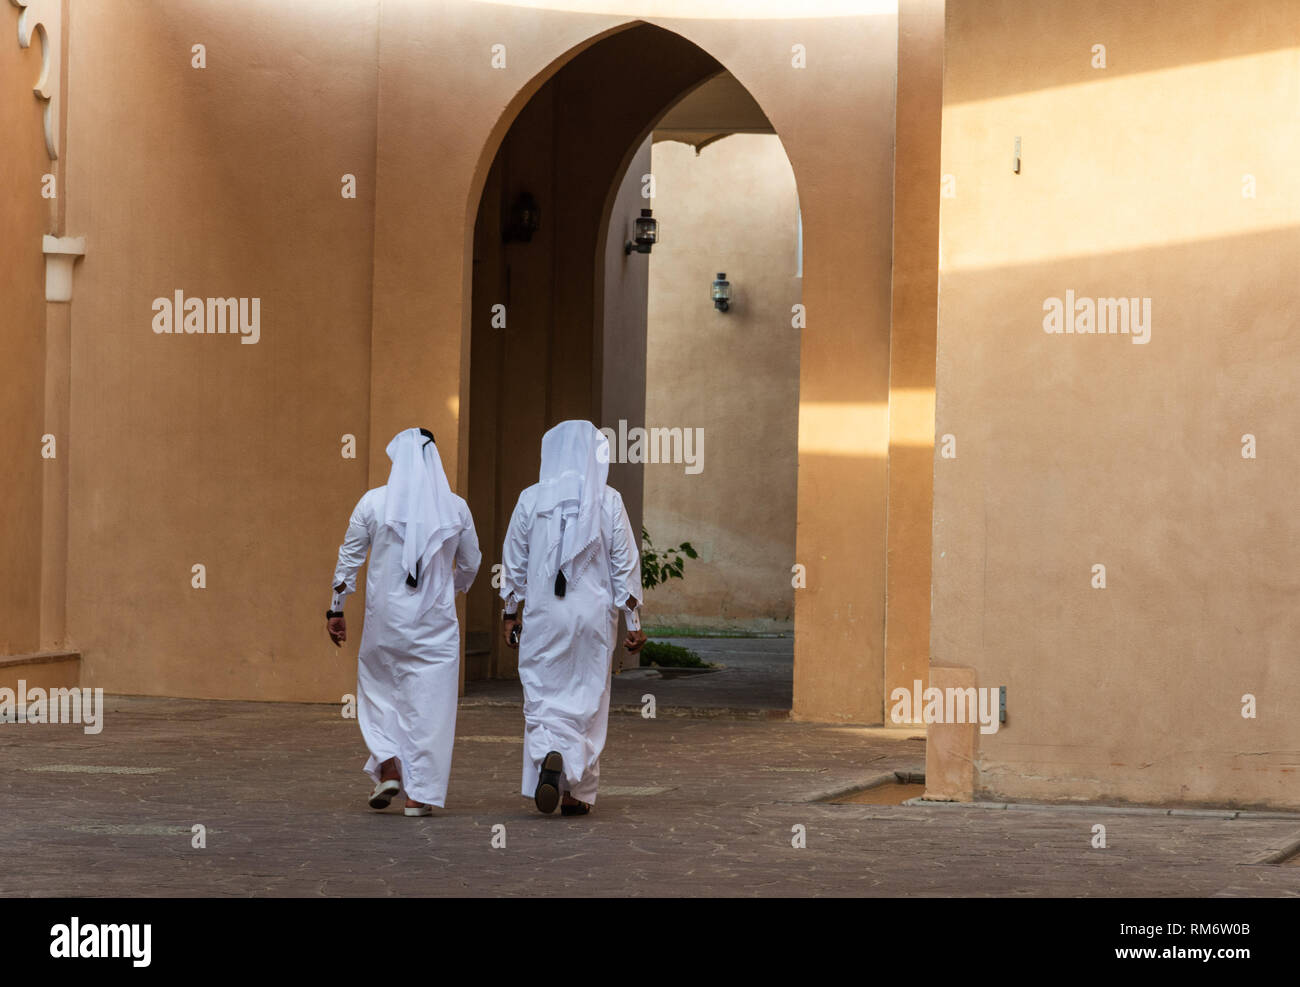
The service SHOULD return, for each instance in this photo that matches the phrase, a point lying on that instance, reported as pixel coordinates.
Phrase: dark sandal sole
(547, 795)
(384, 800)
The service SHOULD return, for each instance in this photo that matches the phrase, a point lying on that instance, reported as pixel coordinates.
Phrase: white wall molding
(43, 18)
(61, 253)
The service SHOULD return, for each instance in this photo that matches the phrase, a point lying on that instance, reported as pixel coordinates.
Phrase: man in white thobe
(423, 551)
(569, 564)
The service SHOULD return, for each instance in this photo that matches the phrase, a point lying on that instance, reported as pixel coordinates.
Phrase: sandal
(547, 795)
(384, 793)
(578, 808)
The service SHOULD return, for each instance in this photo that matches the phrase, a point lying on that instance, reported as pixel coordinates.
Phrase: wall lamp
(525, 220)
(645, 229)
(721, 292)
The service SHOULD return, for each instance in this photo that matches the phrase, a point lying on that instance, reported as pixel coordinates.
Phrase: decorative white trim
(61, 253)
(44, 18)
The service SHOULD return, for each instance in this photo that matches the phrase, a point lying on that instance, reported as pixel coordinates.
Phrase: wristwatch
(331, 614)
(509, 616)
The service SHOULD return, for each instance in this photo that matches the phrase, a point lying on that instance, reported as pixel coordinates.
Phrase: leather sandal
(580, 808)
(547, 795)
(384, 793)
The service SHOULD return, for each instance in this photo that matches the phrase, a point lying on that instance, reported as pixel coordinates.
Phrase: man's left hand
(633, 641)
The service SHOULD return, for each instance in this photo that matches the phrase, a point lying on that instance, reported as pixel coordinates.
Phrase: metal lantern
(525, 219)
(721, 292)
(645, 233)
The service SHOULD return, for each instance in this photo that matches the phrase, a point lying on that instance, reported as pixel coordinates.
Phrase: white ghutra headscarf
(419, 506)
(570, 495)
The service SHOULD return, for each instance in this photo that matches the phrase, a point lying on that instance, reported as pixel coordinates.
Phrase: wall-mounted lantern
(525, 219)
(645, 229)
(721, 292)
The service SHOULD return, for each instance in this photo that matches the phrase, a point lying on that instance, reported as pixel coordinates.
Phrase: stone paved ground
(690, 806)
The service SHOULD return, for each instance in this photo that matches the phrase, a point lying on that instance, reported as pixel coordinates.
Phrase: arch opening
(559, 315)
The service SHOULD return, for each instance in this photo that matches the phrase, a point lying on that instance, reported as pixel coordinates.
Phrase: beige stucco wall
(624, 298)
(733, 375)
(221, 181)
(27, 217)
(915, 312)
(1074, 450)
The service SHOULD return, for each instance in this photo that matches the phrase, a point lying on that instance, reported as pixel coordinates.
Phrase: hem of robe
(391, 698)
(583, 789)
(372, 770)
(548, 729)
(589, 797)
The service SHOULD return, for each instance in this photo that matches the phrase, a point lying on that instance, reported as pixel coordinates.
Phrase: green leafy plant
(665, 655)
(660, 566)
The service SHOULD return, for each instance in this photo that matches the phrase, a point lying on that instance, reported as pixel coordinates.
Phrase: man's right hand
(508, 625)
(338, 628)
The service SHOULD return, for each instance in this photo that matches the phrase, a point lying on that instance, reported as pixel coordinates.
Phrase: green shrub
(659, 567)
(670, 656)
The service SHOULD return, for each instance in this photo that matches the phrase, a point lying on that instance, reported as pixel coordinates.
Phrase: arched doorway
(721, 378)
(557, 311)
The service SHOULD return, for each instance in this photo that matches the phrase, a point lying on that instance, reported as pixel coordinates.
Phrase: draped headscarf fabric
(420, 508)
(570, 494)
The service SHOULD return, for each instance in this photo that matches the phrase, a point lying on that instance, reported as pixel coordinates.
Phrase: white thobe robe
(567, 643)
(408, 673)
